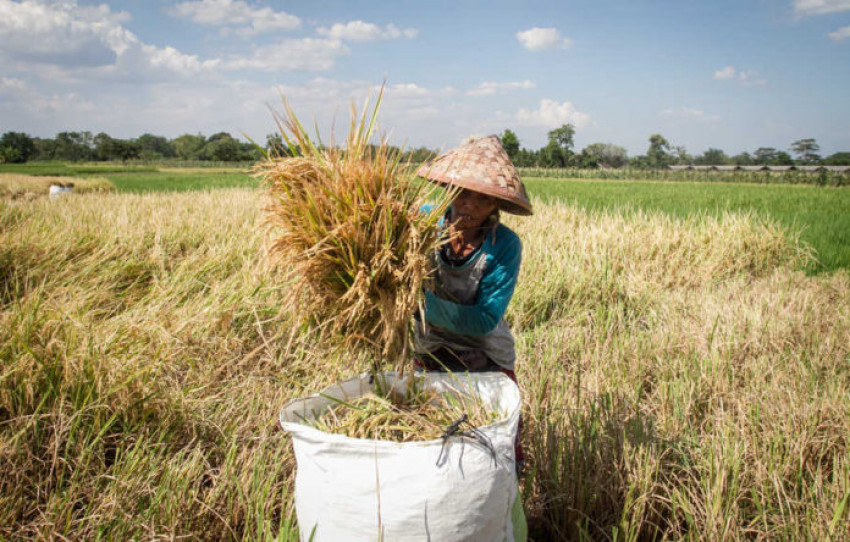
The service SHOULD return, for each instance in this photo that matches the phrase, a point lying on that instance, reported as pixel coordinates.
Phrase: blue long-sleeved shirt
(495, 287)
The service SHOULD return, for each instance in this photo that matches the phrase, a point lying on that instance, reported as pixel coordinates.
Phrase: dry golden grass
(349, 236)
(15, 186)
(683, 379)
(413, 414)
(680, 379)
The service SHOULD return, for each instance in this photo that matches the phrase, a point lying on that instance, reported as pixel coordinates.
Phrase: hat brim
(482, 166)
(507, 200)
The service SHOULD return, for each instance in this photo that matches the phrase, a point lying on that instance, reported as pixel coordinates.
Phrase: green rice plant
(349, 235)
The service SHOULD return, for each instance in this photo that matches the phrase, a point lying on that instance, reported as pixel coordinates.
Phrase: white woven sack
(58, 191)
(361, 489)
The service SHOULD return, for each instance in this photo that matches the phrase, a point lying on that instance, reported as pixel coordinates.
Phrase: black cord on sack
(473, 433)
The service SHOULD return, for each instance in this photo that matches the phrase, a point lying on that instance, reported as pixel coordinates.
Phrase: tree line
(17, 147)
(559, 151)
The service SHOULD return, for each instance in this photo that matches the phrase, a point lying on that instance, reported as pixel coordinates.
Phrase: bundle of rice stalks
(350, 235)
(414, 414)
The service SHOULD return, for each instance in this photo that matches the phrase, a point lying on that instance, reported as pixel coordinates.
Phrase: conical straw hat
(481, 165)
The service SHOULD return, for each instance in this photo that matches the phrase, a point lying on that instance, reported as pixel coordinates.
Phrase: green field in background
(137, 179)
(175, 180)
(821, 214)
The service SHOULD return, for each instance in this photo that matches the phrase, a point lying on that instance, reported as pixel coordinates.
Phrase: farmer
(476, 271)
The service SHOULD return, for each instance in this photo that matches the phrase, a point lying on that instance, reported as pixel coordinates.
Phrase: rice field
(819, 178)
(820, 214)
(16, 186)
(683, 378)
(144, 178)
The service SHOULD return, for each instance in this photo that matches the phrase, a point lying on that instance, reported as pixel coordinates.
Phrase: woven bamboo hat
(481, 165)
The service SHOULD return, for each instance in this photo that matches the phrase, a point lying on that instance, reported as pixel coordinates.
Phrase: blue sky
(734, 75)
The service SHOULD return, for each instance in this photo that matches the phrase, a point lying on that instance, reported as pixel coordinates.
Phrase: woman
(476, 271)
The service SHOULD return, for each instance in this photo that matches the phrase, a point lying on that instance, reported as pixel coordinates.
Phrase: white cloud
(64, 37)
(323, 93)
(689, 113)
(325, 90)
(541, 39)
(173, 60)
(12, 86)
(726, 73)
(684, 111)
(61, 33)
(236, 16)
(406, 108)
(806, 8)
(406, 90)
(841, 34)
(363, 31)
(489, 88)
(140, 62)
(295, 54)
(551, 114)
(415, 107)
(748, 78)
(21, 98)
(191, 107)
(751, 78)
(168, 108)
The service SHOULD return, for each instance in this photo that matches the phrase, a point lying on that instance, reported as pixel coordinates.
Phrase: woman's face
(471, 209)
